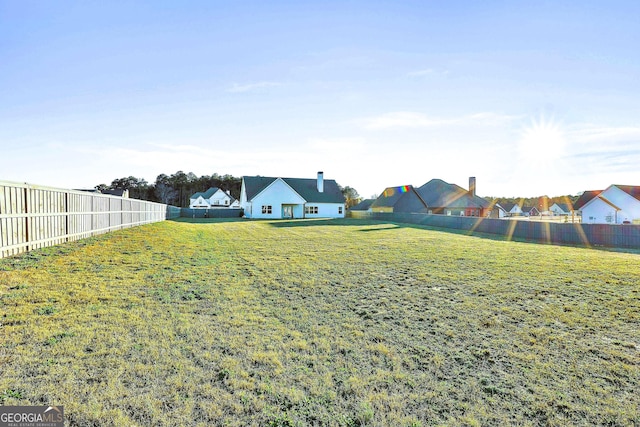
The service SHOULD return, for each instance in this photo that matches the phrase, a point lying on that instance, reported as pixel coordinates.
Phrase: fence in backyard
(615, 236)
(33, 217)
(211, 213)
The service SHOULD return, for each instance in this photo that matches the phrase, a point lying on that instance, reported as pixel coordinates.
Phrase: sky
(531, 98)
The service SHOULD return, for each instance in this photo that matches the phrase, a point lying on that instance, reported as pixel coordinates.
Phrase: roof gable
(437, 193)
(391, 196)
(254, 185)
(585, 198)
(564, 207)
(205, 194)
(306, 188)
(632, 190)
(363, 205)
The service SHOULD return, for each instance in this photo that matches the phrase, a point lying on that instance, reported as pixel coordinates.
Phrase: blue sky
(531, 98)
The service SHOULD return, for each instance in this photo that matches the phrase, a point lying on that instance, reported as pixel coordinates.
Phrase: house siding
(326, 210)
(597, 211)
(275, 195)
(219, 199)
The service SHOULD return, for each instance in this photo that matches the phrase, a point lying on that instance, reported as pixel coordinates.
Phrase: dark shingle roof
(404, 198)
(363, 205)
(585, 198)
(391, 195)
(255, 184)
(205, 194)
(632, 190)
(307, 188)
(437, 193)
(564, 207)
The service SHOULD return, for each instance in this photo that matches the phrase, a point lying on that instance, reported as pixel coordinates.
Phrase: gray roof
(508, 206)
(363, 205)
(564, 207)
(585, 198)
(307, 188)
(390, 196)
(402, 198)
(632, 190)
(439, 194)
(205, 194)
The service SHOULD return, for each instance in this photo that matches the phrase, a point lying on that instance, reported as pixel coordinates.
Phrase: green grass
(337, 323)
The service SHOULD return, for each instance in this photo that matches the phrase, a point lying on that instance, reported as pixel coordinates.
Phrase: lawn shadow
(286, 223)
(206, 220)
(393, 225)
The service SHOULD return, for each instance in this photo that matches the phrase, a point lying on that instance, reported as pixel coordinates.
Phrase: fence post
(27, 220)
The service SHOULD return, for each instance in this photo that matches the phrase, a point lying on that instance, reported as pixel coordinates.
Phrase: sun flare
(541, 142)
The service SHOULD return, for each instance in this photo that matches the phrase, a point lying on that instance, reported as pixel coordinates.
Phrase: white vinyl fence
(33, 217)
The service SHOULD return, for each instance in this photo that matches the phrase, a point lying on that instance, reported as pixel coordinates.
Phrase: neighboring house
(512, 209)
(364, 205)
(530, 211)
(214, 197)
(272, 198)
(399, 199)
(450, 199)
(560, 209)
(120, 192)
(583, 199)
(498, 211)
(618, 204)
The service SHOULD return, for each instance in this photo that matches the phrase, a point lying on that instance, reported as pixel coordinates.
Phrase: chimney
(321, 182)
(472, 186)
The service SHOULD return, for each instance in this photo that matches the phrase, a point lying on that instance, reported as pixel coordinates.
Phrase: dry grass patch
(345, 323)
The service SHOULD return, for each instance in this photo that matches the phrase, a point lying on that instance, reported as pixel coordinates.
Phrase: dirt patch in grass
(342, 322)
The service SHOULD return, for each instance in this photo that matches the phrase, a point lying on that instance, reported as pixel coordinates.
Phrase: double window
(311, 210)
(266, 209)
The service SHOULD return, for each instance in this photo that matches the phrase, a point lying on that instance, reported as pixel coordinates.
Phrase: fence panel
(33, 217)
(607, 235)
(211, 213)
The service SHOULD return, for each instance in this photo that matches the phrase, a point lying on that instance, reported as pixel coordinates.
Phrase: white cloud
(593, 133)
(237, 88)
(401, 119)
(411, 119)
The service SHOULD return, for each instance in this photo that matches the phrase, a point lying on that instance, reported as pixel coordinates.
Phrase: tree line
(176, 189)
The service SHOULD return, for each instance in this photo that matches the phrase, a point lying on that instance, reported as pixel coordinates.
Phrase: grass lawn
(336, 323)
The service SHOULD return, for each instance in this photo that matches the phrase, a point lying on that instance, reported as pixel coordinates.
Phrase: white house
(512, 209)
(272, 198)
(560, 209)
(498, 211)
(212, 198)
(618, 204)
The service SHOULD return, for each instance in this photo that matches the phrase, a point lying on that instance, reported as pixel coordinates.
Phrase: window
(311, 210)
(339, 210)
(266, 209)
(226, 201)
